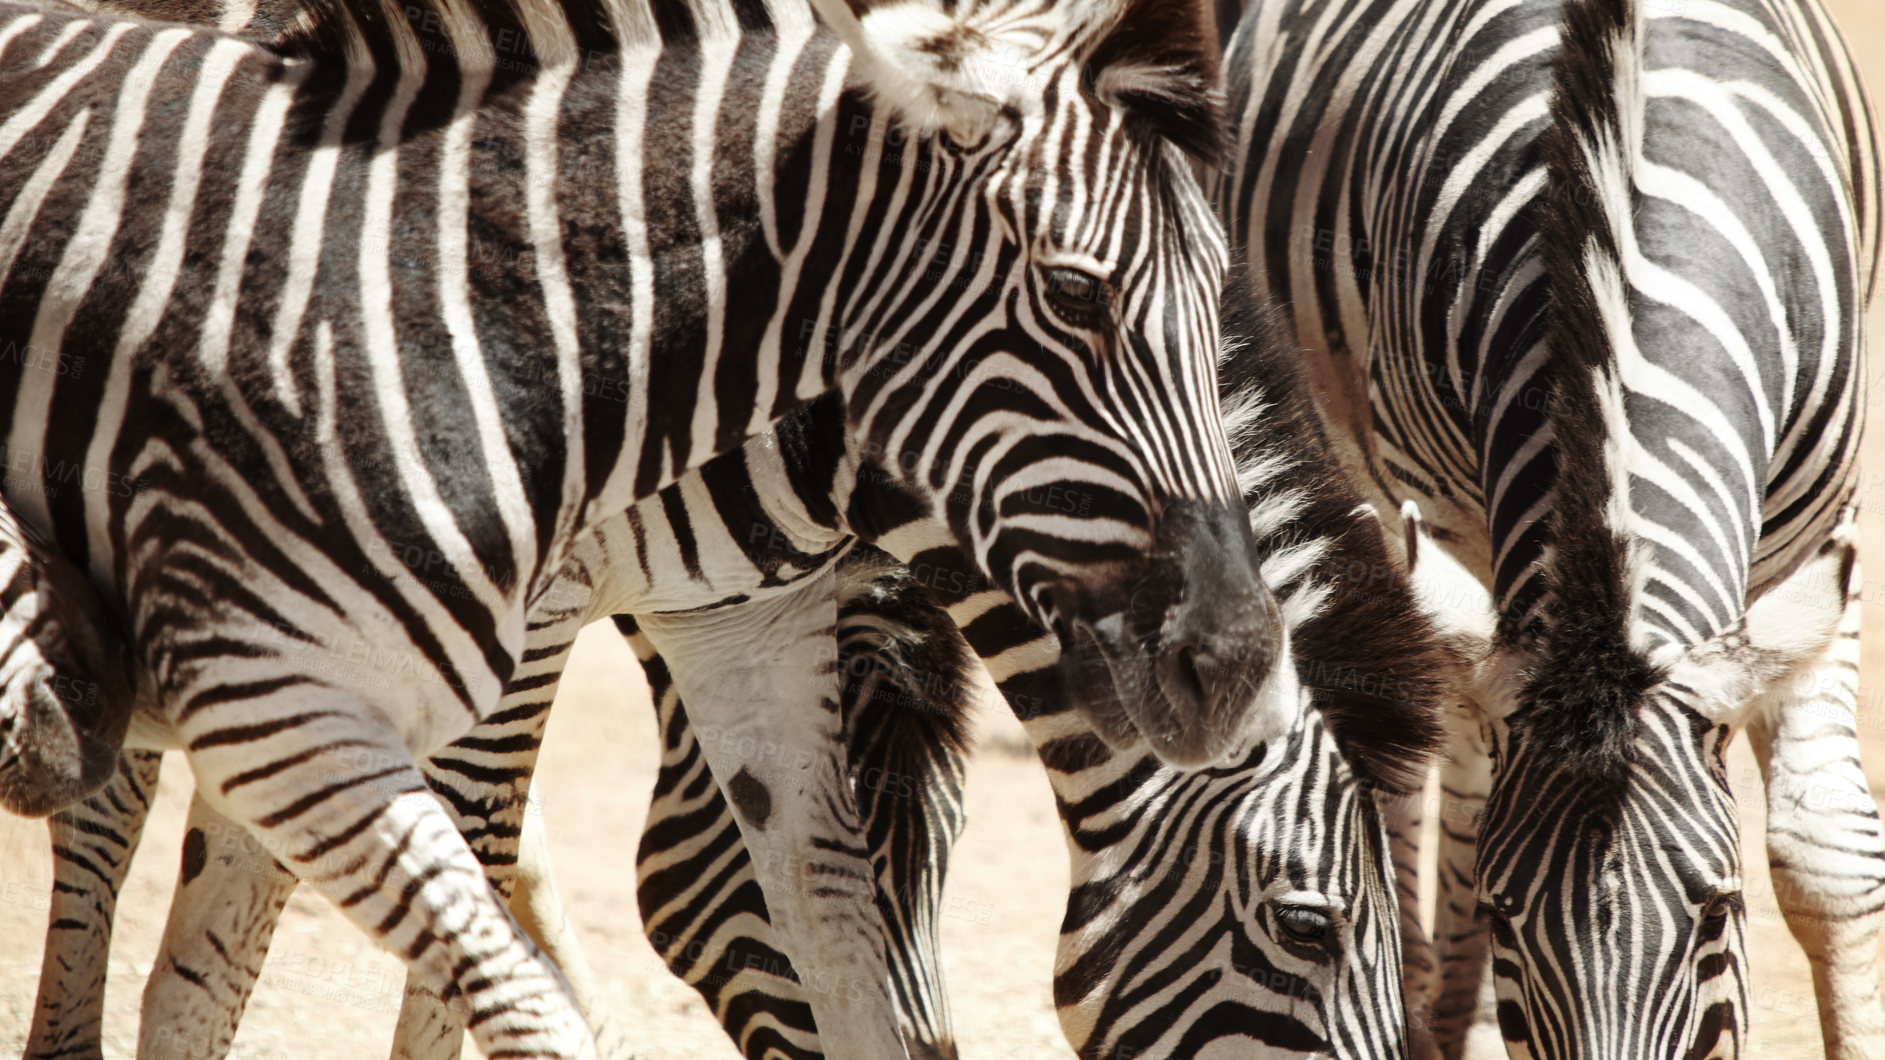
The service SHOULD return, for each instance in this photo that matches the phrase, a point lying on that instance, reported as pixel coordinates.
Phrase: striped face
(1251, 911)
(1044, 386)
(1615, 909)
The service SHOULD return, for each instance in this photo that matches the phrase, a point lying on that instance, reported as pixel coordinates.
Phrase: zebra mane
(1581, 697)
(1367, 653)
(1159, 64)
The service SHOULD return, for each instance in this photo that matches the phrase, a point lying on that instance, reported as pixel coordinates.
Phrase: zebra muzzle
(1197, 659)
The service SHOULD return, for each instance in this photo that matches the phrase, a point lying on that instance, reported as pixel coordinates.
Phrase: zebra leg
(1824, 842)
(483, 780)
(539, 910)
(350, 814)
(1460, 933)
(92, 844)
(229, 896)
(701, 907)
(761, 683)
(426, 1029)
(1405, 815)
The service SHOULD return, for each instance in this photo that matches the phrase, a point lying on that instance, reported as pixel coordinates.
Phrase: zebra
(1279, 859)
(257, 541)
(1582, 281)
(230, 891)
(1367, 664)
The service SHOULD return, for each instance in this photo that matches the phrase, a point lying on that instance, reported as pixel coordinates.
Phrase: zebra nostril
(1183, 681)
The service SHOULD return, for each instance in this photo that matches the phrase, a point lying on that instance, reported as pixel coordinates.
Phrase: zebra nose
(1218, 673)
(1219, 637)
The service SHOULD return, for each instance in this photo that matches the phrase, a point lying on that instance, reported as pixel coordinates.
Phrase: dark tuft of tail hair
(1579, 704)
(1370, 657)
(890, 627)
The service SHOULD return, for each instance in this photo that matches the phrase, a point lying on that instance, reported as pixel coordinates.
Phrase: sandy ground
(328, 994)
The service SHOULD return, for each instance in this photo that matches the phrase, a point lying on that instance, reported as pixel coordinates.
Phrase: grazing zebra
(1583, 280)
(1042, 318)
(1236, 888)
(1251, 903)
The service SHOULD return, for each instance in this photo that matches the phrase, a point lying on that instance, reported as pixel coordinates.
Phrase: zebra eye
(1076, 295)
(1306, 924)
(1500, 906)
(1718, 908)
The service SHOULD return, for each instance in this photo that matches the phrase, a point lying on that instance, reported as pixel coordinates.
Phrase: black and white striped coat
(280, 363)
(1301, 826)
(1582, 280)
(1248, 905)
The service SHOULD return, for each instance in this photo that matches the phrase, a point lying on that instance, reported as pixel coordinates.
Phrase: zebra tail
(914, 644)
(68, 692)
(1580, 699)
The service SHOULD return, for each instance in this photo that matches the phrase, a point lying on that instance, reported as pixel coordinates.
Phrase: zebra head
(1245, 907)
(1250, 908)
(1608, 866)
(1035, 372)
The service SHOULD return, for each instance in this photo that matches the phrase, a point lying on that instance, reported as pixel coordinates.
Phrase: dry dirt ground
(326, 993)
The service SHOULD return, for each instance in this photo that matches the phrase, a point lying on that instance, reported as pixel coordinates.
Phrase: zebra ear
(1459, 607)
(1457, 602)
(1159, 64)
(934, 73)
(1790, 625)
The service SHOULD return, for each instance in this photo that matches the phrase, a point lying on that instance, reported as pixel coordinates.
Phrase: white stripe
(26, 203)
(250, 185)
(58, 42)
(810, 382)
(153, 295)
(559, 303)
(83, 256)
(714, 62)
(454, 208)
(765, 147)
(20, 24)
(236, 15)
(631, 102)
(34, 112)
(379, 337)
(305, 240)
